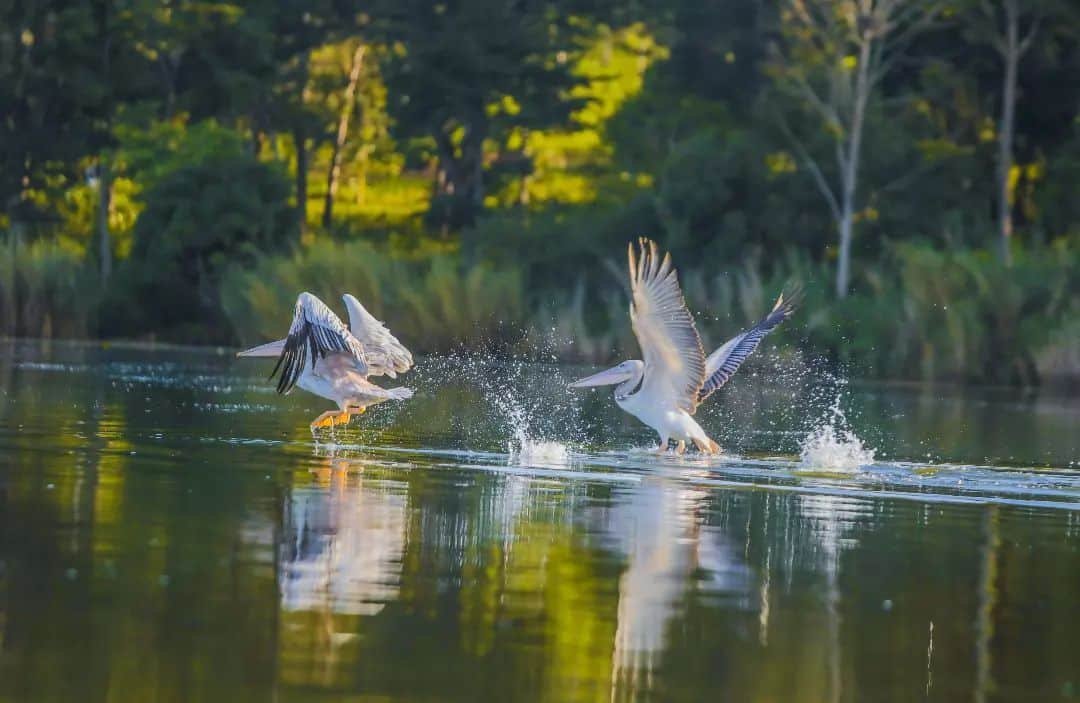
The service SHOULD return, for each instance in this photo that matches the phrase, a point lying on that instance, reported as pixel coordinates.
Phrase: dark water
(170, 532)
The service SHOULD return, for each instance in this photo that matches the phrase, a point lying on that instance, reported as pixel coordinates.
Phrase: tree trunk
(334, 172)
(473, 154)
(169, 79)
(256, 140)
(459, 183)
(843, 263)
(300, 141)
(104, 171)
(849, 170)
(9, 281)
(104, 204)
(1006, 128)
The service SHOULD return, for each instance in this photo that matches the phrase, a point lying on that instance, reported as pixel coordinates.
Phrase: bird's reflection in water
(340, 561)
(668, 551)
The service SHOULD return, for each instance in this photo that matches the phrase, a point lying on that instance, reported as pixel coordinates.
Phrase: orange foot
(329, 419)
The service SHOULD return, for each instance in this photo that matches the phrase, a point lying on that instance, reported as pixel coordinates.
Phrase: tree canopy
(539, 135)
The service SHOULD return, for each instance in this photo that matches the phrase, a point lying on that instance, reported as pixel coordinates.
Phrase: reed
(919, 312)
(46, 290)
(431, 302)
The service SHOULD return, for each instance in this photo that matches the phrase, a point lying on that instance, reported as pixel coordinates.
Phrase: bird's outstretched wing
(385, 355)
(315, 332)
(674, 359)
(725, 361)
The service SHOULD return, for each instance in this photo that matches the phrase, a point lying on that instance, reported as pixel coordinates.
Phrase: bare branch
(827, 111)
(1026, 42)
(996, 37)
(812, 166)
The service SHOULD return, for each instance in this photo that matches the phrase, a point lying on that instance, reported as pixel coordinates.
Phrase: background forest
(473, 169)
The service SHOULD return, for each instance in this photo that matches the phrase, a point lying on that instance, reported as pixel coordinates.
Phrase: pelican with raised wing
(324, 357)
(664, 390)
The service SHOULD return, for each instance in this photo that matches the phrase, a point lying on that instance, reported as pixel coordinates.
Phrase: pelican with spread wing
(324, 357)
(664, 390)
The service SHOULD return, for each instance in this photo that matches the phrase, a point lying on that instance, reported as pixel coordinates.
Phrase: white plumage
(664, 390)
(324, 357)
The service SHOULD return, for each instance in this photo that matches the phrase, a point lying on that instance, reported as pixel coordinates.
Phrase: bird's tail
(399, 393)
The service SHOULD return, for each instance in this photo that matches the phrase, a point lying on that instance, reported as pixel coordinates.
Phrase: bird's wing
(384, 353)
(725, 361)
(315, 332)
(674, 359)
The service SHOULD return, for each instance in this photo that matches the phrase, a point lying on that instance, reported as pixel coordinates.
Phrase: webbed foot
(329, 419)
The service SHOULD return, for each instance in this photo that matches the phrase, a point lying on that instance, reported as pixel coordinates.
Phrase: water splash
(832, 445)
(828, 448)
(541, 452)
(522, 447)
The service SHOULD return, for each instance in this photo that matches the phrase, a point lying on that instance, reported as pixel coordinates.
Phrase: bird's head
(625, 371)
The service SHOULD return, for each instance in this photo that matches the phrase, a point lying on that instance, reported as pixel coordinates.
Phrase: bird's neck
(630, 386)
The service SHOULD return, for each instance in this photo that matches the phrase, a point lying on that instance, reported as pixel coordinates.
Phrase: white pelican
(324, 357)
(664, 391)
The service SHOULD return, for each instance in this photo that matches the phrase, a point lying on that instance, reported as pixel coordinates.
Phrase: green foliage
(150, 153)
(959, 315)
(52, 96)
(501, 173)
(46, 290)
(432, 303)
(1058, 199)
(199, 220)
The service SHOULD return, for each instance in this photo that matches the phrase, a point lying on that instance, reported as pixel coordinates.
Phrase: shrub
(46, 290)
(432, 303)
(199, 220)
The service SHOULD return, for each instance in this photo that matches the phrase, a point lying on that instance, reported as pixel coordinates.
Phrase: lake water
(169, 531)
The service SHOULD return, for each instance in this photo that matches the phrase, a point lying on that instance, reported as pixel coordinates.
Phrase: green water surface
(169, 531)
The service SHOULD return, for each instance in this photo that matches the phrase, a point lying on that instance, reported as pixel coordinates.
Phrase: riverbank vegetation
(178, 172)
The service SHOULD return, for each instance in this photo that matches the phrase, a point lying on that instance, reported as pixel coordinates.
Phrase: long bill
(270, 349)
(610, 377)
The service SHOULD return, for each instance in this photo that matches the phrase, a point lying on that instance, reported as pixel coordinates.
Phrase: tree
(833, 57)
(467, 72)
(199, 220)
(1010, 27)
(52, 101)
(348, 104)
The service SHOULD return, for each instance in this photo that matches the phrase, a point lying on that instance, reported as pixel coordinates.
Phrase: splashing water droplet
(832, 449)
(832, 446)
(543, 453)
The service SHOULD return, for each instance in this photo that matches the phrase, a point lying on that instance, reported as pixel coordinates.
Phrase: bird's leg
(707, 446)
(324, 420)
(329, 419)
(663, 446)
(680, 448)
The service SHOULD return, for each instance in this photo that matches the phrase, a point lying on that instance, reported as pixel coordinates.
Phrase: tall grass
(46, 290)
(432, 304)
(919, 312)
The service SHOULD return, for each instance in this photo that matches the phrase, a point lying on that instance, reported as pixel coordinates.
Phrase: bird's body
(326, 358)
(336, 378)
(662, 414)
(671, 423)
(665, 389)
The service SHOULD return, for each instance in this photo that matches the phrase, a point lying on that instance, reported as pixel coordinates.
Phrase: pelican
(664, 390)
(324, 357)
